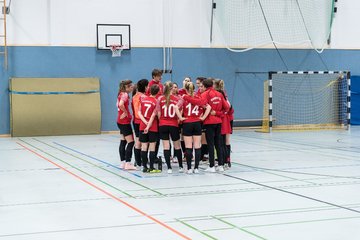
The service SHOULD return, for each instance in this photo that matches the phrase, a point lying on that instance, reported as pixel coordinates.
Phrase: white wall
(346, 31)
(73, 22)
(181, 23)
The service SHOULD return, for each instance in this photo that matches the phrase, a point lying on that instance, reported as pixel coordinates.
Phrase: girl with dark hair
(149, 129)
(123, 122)
(204, 146)
(226, 126)
(140, 88)
(212, 123)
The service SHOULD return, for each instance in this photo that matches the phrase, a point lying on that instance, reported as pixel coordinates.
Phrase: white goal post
(307, 100)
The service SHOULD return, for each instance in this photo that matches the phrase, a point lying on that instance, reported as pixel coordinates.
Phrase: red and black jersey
(153, 82)
(168, 115)
(147, 107)
(192, 112)
(216, 101)
(125, 98)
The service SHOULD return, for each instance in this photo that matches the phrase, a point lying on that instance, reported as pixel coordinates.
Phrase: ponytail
(189, 86)
(167, 91)
(219, 85)
(123, 84)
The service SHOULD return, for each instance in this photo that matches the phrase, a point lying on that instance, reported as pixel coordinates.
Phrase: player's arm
(121, 106)
(158, 109)
(206, 113)
(149, 124)
(202, 101)
(178, 113)
(142, 116)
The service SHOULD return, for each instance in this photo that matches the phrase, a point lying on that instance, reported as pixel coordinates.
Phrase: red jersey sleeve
(201, 101)
(225, 104)
(124, 97)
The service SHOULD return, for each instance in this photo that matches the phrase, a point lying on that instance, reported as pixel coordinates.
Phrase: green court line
(288, 211)
(293, 172)
(276, 174)
(308, 145)
(254, 189)
(279, 211)
(298, 222)
(235, 184)
(116, 174)
(218, 229)
(107, 184)
(239, 228)
(175, 194)
(196, 229)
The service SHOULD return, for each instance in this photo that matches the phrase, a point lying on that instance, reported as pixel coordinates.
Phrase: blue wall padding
(245, 90)
(355, 100)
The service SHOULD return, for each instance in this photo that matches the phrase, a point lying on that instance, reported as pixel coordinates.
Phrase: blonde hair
(123, 84)
(219, 85)
(189, 86)
(167, 91)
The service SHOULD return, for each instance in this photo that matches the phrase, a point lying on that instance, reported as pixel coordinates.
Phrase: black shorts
(165, 131)
(203, 129)
(192, 129)
(125, 129)
(180, 128)
(148, 137)
(136, 127)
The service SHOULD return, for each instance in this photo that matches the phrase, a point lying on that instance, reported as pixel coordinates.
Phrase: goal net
(261, 23)
(306, 101)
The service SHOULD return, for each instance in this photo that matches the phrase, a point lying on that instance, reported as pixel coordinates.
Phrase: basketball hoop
(116, 50)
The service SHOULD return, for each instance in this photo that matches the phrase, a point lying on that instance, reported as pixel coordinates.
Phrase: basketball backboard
(113, 34)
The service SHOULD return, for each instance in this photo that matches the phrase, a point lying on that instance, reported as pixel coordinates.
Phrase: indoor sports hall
(291, 79)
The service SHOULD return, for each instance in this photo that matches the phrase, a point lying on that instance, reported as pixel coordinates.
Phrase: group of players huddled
(197, 121)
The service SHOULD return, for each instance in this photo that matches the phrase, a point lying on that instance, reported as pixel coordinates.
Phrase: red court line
(107, 193)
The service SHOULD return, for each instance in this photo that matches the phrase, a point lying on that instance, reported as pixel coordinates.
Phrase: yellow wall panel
(54, 106)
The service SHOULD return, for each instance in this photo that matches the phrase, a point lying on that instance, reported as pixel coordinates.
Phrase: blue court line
(132, 173)
(136, 175)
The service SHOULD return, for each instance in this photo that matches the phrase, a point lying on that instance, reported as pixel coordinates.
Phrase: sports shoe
(122, 165)
(204, 162)
(129, 166)
(190, 171)
(145, 170)
(175, 160)
(196, 171)
(210, 170)
(154, 171)
(169, 171)
(221, 168)
(181, 170)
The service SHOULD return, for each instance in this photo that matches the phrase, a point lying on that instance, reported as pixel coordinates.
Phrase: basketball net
(116, 50)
